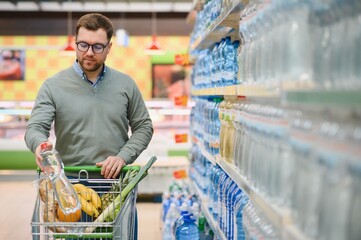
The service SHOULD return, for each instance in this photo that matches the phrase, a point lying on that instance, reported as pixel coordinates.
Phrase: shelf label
(181, 101)
(180, 174)
(182, 59)
(181, 138)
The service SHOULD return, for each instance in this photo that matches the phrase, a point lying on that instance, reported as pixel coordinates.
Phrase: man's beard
(91, 67)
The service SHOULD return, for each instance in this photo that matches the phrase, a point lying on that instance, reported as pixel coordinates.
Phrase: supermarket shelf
(217, 91)
(15, 112)
(258, 90)
(222, 26)
(205, 153)
(171, 124)
(294, 233)
(278, 216)
(204, 205)
(239, 90)
(323, 97)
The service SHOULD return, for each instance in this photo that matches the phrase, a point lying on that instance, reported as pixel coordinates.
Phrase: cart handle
(92, 168)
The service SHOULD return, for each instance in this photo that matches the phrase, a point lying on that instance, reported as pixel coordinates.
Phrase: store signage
(181, 101)
(182, 59)
(181, 138)
(180, 174)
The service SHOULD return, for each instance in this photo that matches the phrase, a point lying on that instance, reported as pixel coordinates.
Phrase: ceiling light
(154, 48)
(50, 6)
(27, 6)
(182, 7)
(69, 49)
(7, 6)
(94, 6)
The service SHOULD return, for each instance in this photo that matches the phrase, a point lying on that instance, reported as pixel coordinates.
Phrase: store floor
(17, 199)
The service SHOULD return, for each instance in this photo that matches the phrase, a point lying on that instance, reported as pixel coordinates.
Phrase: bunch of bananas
(89, 199)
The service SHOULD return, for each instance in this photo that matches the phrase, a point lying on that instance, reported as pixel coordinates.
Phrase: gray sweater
(90, 123)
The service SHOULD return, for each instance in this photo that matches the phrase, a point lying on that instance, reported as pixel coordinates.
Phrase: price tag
(182, 59)
(181, 101)
(181, 138)
(180, 174)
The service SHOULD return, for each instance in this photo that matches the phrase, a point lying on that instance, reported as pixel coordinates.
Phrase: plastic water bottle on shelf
(165, 204)
(240, 201)
(183, 211)
(220, 62)
(195, 210)
(214, 63)
(235, 63)
(53, 167)
(229, 132)
(228, 68)
(168, 227)
(215, 199)
(187, 230)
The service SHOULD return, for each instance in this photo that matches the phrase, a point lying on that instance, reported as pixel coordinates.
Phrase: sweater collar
(80, 72)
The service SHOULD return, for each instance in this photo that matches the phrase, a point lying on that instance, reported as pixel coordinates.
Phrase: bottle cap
(43, 146)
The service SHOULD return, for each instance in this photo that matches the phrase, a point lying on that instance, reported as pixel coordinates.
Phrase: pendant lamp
(154, 47)
(69, 50)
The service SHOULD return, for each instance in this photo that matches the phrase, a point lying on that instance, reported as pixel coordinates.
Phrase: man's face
(89, 60)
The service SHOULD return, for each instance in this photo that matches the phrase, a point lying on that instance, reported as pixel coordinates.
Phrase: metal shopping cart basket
(122, 227)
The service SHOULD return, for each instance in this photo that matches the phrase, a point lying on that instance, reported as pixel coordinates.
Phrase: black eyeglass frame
(92, 46)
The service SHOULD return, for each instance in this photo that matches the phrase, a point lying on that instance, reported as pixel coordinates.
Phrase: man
(92, 107)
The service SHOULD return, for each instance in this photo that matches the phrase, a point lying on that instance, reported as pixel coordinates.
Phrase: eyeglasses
(96, 48)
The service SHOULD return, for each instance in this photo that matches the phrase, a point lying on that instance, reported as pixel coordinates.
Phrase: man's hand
(38, 157)
(111, 166)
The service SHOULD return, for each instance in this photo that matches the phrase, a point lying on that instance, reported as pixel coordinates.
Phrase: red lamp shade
(154, 48)
(69, 47)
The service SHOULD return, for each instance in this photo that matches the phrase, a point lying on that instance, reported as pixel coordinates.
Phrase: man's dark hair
(94, 21)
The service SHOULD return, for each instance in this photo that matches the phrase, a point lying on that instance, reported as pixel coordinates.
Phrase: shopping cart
(122, 227)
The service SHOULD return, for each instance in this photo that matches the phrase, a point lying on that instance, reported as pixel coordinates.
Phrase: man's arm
(41, 118)
(141, 128)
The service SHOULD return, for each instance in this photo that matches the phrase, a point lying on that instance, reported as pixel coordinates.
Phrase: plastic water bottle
(201, 224)
(179, 220)
(215, 200)
(235, 63)
(166, 204)
(228, 68)
(168, 227)
(240, 201)
(214, 59)
(187, 230)
(194, 209)
(65, 193)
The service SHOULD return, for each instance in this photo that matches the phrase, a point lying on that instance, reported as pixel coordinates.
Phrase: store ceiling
(97, 5)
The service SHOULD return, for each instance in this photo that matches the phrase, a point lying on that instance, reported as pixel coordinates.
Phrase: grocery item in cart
(46, 194)
(64, 191)
(120, 199)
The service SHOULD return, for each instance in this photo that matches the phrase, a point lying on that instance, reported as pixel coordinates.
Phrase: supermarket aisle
(17, 203)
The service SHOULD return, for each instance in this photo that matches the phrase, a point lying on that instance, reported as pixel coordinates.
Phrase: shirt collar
(80, 72)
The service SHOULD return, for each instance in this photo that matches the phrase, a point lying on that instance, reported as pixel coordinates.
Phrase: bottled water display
(301, 44)
(327, 159)
(292, 44)
(217, 67)
(302, 161)
(295, 159)
(227, 199)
